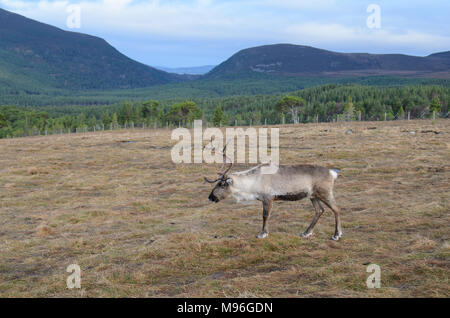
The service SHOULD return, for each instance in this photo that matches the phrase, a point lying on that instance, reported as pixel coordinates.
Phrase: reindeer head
(222, 188)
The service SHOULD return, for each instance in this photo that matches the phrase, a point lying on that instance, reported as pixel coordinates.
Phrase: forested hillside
(289, 59)
(35, 56)
(57, 81)
(257, 84)
(323, 103)
(43, 65)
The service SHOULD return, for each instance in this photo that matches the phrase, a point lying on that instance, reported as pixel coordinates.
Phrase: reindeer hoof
(336, 237)
(262, 235)
(306, 235)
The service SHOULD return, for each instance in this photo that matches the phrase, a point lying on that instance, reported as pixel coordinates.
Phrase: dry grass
(139, 225)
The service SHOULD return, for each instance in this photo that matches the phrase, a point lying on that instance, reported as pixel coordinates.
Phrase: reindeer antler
(211, 181)
(223, 173)
(225, 157)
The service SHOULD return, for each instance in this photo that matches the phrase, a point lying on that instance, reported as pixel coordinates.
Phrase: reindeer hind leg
(331, 203)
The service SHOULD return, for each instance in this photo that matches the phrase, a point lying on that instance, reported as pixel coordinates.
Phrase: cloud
(196, 19)
(317, 33)
(321, 5)
(225, 26)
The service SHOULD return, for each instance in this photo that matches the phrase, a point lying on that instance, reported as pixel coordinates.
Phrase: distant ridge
(289, 59)
(194, 70)
(35, 57)
(35, 52)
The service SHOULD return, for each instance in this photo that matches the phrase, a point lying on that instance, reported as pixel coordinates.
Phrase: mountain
(193, 70)
(41, 64)
(298, 60)
(34, 53)
(443, 55)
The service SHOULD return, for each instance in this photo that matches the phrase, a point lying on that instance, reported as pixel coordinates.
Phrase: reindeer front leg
(267, 209)
(319, 210)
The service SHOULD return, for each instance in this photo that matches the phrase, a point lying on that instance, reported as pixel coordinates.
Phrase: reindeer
(268, 183)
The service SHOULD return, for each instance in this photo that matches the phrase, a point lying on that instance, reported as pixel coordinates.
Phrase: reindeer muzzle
(213, 198)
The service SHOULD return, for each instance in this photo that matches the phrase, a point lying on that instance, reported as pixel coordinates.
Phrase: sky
(182, 33)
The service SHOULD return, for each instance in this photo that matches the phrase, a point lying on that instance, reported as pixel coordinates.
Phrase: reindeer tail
(335, 173)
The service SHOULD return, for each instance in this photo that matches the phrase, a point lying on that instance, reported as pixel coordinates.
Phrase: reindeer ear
(230, 181)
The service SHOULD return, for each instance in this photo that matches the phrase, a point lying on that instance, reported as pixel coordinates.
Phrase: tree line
(323, 103)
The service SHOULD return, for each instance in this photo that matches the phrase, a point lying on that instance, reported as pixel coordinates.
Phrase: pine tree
(137, 114)
(183, 112)
(106, 118)
(218, 116)
(114, 121)
(225, 119)
(238, 119)
(126, 112)
(349, 110)
(92, 121)
(257, 117)
(150, 108)
(3, 122)
(436, 105)
(401, 113)
(81, 120)
(292, 104)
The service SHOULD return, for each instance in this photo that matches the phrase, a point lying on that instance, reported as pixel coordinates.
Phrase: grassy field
(140, 226)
